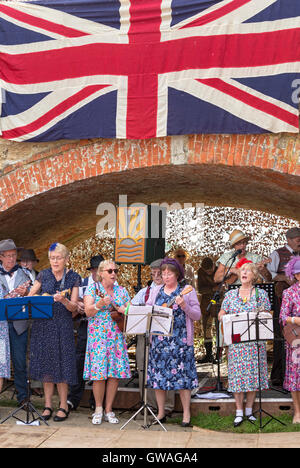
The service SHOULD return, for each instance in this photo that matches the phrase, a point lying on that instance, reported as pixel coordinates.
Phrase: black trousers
(278, 369)
(76, 391)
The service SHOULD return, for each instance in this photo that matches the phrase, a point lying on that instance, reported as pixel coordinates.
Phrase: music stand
(258, 323)
(26, 308)
(151, 322)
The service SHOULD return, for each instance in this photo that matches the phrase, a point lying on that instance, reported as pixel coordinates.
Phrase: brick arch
(53, 195)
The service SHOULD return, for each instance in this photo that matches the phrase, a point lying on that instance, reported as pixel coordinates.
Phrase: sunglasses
(110, 271)
(180, 256)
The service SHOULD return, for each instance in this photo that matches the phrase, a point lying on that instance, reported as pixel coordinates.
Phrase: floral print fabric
(291, 308)
(106, 351)
(243, 371)
(171, 360)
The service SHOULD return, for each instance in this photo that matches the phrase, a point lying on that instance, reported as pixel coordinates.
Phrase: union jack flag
(148, 68)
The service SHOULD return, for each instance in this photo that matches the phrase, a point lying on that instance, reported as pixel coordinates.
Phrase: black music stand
(258, 322)
(26, 308)
(148, 320)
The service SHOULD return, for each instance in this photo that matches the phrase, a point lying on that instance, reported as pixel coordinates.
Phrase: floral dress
(171, 361)
(243, 371)
(4, 347)
(106, 352)
(291, 308)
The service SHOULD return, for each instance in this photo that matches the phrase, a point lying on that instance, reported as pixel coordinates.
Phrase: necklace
(245, 298)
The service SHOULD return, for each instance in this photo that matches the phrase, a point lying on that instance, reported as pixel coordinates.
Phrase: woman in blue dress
(52, 355)
(171, 359)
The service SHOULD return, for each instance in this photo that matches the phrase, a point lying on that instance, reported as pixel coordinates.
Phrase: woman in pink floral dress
(106, 359)
(290, 313)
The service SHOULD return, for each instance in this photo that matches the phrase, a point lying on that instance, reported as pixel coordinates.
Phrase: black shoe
(61, 418)
(186, 424)
(239, 422)
(47, 416)
(154, 421)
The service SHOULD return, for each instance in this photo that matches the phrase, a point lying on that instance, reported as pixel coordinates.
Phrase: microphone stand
(216, 300)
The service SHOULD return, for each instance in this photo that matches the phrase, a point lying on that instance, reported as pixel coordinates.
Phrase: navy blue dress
(52, 350)
(171, 361)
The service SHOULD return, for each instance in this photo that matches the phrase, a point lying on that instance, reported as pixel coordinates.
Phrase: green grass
(215, 422)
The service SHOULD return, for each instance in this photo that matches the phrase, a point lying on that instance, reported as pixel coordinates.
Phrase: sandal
(46, 417)
(61, 418)
(111, 418)
(97, 417)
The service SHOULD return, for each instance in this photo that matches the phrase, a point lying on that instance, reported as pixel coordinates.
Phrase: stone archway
(52, 195)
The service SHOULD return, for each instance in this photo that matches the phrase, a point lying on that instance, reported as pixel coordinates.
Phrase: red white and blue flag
(148, 68)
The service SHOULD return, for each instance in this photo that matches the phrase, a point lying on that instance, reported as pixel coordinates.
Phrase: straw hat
(237, 236)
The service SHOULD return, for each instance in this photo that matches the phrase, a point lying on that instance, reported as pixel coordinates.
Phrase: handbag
(291, 333)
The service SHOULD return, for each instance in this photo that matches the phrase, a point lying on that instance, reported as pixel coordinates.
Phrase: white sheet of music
(137, 319)
(162, 321)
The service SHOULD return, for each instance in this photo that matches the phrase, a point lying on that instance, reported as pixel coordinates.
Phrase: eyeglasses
(10, 256)
(110, 271)
(53, 259)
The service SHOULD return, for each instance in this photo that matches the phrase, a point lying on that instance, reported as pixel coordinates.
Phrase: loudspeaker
(140, 234)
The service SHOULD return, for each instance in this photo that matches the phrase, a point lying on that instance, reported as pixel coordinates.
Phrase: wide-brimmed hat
(7, 244)
(95, 262)
(237, 236)
(28, 254)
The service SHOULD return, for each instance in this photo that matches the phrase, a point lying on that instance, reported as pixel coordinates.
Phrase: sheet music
(137, 319)
(162, 321)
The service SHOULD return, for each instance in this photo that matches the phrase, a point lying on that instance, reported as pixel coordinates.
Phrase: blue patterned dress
(171, 361)
(4, 347)
(52, 352)
(243, 375)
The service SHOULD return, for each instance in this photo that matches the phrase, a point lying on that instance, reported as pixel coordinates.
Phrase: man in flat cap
(140, 299)
(15, 282)
(279, 260)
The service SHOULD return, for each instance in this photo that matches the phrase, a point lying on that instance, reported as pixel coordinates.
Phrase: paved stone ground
(78, 432)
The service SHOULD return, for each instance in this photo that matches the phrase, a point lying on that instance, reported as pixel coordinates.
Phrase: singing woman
(106, 359)
(52, 354)
(243, 371)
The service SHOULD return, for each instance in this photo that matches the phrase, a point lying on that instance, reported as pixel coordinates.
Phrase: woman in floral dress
(243, 371)
(171, 359)
(290, 313)
(106, 359)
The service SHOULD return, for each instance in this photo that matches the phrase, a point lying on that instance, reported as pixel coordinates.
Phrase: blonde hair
(102, 265)
(254, 270)
(60, 249)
